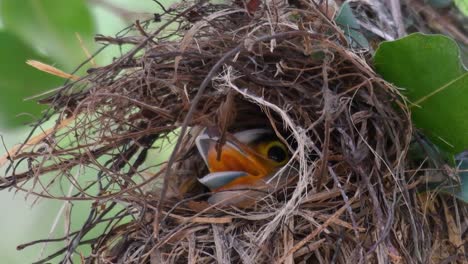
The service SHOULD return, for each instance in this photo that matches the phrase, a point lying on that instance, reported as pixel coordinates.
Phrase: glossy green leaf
(50, 26)
(429, 70)
(19, 80)
(348, 22)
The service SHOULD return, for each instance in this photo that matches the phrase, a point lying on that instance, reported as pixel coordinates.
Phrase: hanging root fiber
(123, 137)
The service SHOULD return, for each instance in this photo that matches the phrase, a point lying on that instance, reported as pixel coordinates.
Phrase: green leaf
(462, 5)
(429, 70)
(50, 26)
(348, 22)
(19, 80)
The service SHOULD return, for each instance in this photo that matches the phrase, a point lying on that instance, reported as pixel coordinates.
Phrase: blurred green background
(47, 30)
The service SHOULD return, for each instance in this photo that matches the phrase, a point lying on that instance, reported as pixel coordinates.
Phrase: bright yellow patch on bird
(258, 160)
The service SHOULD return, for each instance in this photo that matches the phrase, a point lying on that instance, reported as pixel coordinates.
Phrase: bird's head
(246, 160)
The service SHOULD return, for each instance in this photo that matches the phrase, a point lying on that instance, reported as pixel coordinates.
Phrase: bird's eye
(277, 152)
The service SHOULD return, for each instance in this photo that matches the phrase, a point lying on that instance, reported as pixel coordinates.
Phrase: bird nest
(350, 195)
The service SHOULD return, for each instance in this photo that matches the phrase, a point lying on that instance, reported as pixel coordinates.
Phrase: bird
(241, 169)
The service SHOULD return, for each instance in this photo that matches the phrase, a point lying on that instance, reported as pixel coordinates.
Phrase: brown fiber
(353, 193)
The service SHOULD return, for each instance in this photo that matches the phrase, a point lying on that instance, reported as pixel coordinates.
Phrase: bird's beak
(236, 164)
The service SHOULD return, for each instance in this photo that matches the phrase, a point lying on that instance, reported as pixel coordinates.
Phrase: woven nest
(351, 196)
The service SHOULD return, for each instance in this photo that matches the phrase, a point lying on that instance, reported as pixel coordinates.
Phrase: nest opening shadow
(343, 192)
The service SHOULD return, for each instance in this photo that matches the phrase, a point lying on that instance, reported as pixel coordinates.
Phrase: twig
(395, 9)
(317, 231)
